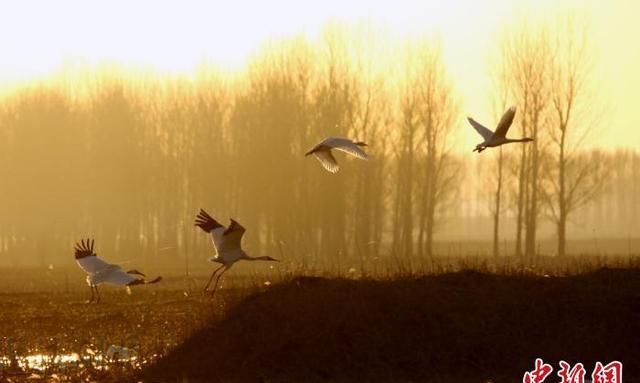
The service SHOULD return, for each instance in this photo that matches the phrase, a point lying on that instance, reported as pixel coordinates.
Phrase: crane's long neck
(526, 139)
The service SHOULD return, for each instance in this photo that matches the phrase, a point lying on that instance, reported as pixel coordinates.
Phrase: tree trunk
(562, 227)
(496, 214)
(562, 200)
(532, 216)
(522, 198)
(429, 240)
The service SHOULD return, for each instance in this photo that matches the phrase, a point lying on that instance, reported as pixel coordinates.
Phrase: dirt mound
(450, 328)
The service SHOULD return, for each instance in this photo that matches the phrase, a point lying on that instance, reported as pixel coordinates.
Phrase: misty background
(129, 157)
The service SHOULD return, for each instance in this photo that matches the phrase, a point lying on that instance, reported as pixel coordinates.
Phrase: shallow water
(38, 365)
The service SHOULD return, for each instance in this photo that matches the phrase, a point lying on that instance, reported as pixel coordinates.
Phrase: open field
(47, 329)
(410, 326)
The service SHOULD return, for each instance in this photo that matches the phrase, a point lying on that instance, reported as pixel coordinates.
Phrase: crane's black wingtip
(84, 248)
(206, 222)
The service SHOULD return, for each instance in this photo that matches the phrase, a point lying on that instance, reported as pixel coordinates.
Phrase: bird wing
(485, 132)
(327, 160)
(93, 264)
(119, 277)
(87, 259)
(211, 226)
(206, 222)
(349, 147)
(315, 147)
(328, 141)
(84, 249)
(505, 122)
(232, 237)
(217, 237)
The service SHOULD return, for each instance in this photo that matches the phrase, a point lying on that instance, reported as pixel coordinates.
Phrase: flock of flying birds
(227, 240)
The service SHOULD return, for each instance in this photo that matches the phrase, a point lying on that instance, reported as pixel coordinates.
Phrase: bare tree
(526, 58)
(438, 112)
(428, 111)
(404, 151)
(368, 117)
(574, 180)
(498, 179)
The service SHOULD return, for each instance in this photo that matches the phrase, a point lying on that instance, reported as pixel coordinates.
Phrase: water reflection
(73, 363)
(42, 361)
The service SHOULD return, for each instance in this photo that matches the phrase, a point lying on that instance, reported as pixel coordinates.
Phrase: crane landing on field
(99, 271)
(227, 244)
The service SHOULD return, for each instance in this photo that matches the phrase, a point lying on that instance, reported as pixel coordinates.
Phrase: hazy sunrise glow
(38, 37)
(303, 191)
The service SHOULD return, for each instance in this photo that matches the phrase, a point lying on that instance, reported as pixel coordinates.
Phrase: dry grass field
(400, 325)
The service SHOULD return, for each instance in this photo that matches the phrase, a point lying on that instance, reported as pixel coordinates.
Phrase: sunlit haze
(331, 190)
(39, 37)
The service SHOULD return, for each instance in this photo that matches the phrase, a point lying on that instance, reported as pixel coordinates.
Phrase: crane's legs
(91, 299)
(94, 297)
(211, 279)
(215, 285)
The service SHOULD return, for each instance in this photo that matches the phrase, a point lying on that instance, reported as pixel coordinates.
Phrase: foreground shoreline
(458, 327)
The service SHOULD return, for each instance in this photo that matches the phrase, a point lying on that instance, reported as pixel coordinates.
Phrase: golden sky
(38, 37)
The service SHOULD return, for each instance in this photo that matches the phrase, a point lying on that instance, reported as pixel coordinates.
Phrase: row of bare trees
(129, 159)
(547, 76)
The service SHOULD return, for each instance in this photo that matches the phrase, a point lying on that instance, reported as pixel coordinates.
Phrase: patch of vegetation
(465, 326)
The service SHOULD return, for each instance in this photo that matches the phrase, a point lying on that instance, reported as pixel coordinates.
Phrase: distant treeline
(129, 158)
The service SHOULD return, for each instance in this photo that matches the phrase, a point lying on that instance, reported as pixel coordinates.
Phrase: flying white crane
(497, 138)
(322, 151)
(227, 243)
(99, 271)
